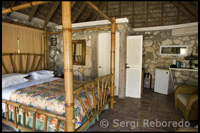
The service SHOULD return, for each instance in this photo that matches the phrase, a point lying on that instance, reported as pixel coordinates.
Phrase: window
(18, 48)
(79, 51)
(174, 50)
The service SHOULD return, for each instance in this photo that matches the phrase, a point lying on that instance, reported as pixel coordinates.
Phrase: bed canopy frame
(105, 94)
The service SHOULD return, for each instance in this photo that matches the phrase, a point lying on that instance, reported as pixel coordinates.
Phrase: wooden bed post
(46, 48)
(68, 68)
(112, 61)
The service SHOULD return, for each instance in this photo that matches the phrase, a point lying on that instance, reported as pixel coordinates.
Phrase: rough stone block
(148, 43)
(145, 65)
(150, 49)
(152, 65)
(177, 74)
(192, 82)
(148, 56)
(191, 43)
(179, 80)
(160, 65)
(177, 41)
(81, 70)
(167, 42)
(186, 73)
(160, 59)
(186, 38)
(87, 72)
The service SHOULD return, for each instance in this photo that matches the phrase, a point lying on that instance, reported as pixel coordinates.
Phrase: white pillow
(14, 75)
(13, 79)
(40, 76)
(42, 72)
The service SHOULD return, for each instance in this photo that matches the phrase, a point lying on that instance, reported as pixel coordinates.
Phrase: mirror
(174, 50)
(79, 51)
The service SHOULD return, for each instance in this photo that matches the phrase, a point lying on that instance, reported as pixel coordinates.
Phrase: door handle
(100, 67)
(126, 66)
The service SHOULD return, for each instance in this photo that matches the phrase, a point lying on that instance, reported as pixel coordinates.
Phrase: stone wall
(82, 72)
(152, 58)
(89, 70)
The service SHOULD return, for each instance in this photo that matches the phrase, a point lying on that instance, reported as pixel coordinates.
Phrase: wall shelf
(183, 69)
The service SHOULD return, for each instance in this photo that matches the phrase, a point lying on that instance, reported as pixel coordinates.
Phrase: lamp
(191, 57)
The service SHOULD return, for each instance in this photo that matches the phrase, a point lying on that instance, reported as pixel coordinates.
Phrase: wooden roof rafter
(99, 11)
(196, 3)
(190, 8)
(29, 4)
(95, 14)
(184, 11)
(32, 12)
(75, 17)
(53, 9)
(90, 11)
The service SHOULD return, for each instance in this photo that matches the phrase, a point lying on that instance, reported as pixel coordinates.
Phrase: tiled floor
(131, 114)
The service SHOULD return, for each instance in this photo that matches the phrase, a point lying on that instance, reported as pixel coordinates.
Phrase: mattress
(6, 91)
(49, 96)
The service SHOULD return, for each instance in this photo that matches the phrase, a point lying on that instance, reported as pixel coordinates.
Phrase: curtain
(9, 44)
(30, 41)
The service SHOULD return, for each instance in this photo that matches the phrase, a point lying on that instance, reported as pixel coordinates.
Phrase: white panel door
(104, 49)
(134, 66)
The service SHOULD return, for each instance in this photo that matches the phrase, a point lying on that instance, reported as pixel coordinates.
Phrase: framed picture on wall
(196, 50)
(53, 41)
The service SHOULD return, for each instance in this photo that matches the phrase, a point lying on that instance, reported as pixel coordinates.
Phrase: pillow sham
(40, 76)
(13, 79)
(14, 75)
(42, 72)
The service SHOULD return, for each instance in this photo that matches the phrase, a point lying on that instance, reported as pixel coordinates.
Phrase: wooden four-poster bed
(101, 89)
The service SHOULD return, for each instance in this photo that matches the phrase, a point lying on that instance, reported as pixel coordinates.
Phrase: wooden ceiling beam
(95, 14)
(53, 9)
(72, 5)
(89, 12)
(32, 12)
(184, 11)
(29, 4)
(190, 8)
(75, 17)
(99, 10)
(196, 3)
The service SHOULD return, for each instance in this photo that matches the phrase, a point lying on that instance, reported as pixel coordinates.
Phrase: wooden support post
(112, 63)
(68, 69)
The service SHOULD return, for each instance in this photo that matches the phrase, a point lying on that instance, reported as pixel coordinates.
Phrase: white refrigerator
(162, 81)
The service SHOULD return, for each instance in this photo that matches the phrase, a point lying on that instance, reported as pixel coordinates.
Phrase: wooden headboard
(22, 62)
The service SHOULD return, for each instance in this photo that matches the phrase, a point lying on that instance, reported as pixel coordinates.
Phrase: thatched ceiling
(139, 13)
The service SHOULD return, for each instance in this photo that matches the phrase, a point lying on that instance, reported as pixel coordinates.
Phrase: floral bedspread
(50, 97)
